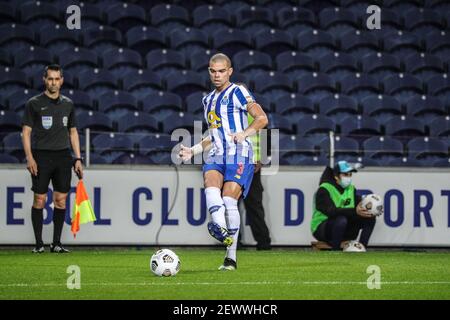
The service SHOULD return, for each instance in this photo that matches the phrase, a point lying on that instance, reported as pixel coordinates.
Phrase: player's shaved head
(220, 57)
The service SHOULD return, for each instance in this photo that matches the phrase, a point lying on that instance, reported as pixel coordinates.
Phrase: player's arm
(26, 141)
(260, 121)
(186, 153)
(75, 142)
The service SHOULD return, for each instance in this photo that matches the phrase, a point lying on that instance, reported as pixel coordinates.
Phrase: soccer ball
(165, 263)
(373, 203)
(354, 246)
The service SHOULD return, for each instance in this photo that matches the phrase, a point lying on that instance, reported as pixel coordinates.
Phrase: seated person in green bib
(338, 215)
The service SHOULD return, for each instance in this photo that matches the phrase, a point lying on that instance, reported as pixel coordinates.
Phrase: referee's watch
(77, 159)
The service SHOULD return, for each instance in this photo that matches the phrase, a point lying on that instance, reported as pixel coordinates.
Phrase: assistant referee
(48, 131)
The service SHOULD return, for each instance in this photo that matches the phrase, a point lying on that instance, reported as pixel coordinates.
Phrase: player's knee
(39, 201)
(60, 200)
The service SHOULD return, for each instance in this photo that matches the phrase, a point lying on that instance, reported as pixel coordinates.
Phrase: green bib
(339, 200)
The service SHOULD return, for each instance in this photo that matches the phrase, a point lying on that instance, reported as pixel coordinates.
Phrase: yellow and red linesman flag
(82, 209)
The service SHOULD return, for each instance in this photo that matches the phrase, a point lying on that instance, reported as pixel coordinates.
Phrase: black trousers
(255, 212)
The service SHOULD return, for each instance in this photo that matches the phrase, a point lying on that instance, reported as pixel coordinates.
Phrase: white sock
(215, 205)
(234, 222)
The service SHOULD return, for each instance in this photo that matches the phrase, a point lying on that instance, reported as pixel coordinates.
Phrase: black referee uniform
(51, 121)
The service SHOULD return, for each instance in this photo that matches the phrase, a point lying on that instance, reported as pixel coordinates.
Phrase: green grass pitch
(277, 274)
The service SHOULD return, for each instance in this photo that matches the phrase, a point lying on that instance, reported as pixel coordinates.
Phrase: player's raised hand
(238, 137)
(185, 153)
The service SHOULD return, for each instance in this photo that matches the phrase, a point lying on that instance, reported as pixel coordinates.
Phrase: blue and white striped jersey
(225, 113)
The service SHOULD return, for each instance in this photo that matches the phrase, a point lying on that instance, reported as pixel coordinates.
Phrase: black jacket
(325, 204)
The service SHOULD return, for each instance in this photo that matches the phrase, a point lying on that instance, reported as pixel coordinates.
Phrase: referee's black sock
(37, 219)
(58, 223)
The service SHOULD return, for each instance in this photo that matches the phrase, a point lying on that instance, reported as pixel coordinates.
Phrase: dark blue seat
(440, 127)
(445, 163)
(141, 82)
(303, 150)
(425, 107)
(272, 84)
(144, 39)
(7, 13)
(137, 122)
(198, 61)
(383, 148)
(78, 60)
(264, 100)
(381, 107)
(122, 60)
(182, 121)
(438, 85)
(360, 127)
(59, 38)
(34, 13)
(81, 100)
(9, 121)
(424, 65)
(438, 43)
(277, 121)
(343, 147)
(117, 104)
(132, 158)
(101, 38)
(233, 6)
(18, 99)
(14, 37)
(254, 19)
(12, 144)
(403, 86)
(111, 144)
(188, 39)
(12, 79)
(316, 42)
(6, 59)
(156, 102)
(209, 18)
(161, 158)
(360, 43)
(96, 121)
(155, 142)
(294, 105)
(168, 17)
(338, 65)
(360, 85)
(97, 82)
(185, 82)
(381, 64)
(315, 125)
(92, 14)
(423, 21)
(33, 59)
(252, 61)
(194, 102)
(428, 148)
(402, 6)
(295, 20)
(273, 41)
(338, 20)
(6, 158)
(404, 127)
(316, 85)
(338, 105)
(124, 16)
(294, 64)
(164, 61)
(231, 41)
(402, 43)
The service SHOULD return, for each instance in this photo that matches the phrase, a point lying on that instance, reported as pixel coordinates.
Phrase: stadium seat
(423, 21)
(381, 64)
(155, 142)
(405, 127)
(402, 43)
(438, 85)
(233, 6)
(12, 79)
(360, 128)
(14, 37)
(185, 82)
(359, 85)
(295, 20)
(33, 59)
(124, 16)
(91, 13)
(316, 42)
(37, 13)
(161, 158)
(264, 101)
(315, 125)
(132, 158)
(381, 107)
(198, 61)
(18, 99)
(338, 65)
(7, 13)
(338, 20)
(101, 38)
(110, 145)
(81, 100)
(188, 40)
(122, 60)
(231, 41)
(402, 5)
(117, 104)
(141, 82)
(209, 18)
(254, 19)
(294, 64)
(277, 121)
(9, 121)
(424, 65)
(164, 61)
(194, 102)
(383, 148)
(156, 102)
(438, 43)
(273, 41)
(5, 59)
(144, 39)
(6, 158)
(425, 107)
(359, 43)
(12, 145)
(137, 122)
(402, 86)
(303, 151)
(440, 127)
(57, 38)
(96, 121)
(78, 60)
(428, 148)
(179, 121)
(252, 62)
(316, 85)
(168, 17)
(344, 147)
(272, 84)
(97, 82)
(294, 105)
(338, 105)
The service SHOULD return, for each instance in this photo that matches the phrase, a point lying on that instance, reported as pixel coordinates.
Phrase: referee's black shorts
(54, 165)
